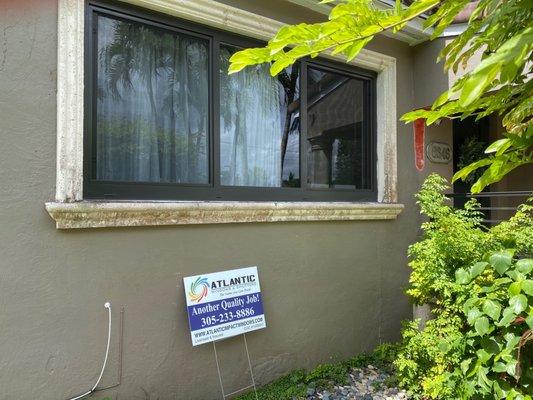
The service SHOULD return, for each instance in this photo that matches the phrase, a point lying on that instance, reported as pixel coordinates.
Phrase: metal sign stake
(224, 395)
(218, 369)
(250, 365)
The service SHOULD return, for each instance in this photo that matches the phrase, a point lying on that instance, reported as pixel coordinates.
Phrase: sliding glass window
(165, 121)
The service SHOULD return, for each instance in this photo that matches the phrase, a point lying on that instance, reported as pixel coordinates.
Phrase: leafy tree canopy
(501, 29)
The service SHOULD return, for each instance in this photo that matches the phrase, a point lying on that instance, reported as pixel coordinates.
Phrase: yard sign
(223, 304)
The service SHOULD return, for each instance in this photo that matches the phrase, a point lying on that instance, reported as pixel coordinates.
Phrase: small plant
(325, 373)
(377, 385)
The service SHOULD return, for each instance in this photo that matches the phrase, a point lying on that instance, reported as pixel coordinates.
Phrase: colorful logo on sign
(198, 289)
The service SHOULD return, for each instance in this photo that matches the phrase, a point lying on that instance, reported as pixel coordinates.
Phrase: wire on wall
(120, 355)
(93, 389)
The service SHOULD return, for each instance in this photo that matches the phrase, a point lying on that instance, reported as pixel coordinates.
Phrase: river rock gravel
(362, 384)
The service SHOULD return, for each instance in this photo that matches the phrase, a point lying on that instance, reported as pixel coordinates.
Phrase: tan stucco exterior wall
(331, 289)
(429, 81)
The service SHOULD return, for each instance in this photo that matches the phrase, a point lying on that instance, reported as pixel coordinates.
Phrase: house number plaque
(438, 152)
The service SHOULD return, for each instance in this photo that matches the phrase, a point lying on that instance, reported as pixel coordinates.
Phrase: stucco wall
(331, 289)
(429, 81)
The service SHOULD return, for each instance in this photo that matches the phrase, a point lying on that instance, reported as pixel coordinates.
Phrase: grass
(295, 384)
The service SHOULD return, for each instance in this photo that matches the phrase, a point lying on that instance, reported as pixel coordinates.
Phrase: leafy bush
(497, 357)
(481, 295)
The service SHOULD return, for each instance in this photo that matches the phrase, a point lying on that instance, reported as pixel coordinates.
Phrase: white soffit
(414, 33)
(454, 30)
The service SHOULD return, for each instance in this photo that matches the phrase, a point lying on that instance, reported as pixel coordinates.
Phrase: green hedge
(479, 283)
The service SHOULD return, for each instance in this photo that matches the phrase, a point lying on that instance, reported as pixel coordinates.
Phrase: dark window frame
(213, 191)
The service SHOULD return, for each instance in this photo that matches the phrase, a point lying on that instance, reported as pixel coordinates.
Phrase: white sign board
(223, 304)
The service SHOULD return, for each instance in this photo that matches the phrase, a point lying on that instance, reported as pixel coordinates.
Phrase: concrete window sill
(102, 214)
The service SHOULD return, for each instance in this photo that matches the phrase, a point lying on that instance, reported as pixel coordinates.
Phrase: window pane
(259, 126)
(152, 107)
(337, 141)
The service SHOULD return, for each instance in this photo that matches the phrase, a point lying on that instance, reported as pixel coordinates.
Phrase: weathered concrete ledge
(101, 214)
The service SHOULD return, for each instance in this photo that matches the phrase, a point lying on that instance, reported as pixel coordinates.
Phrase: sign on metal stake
(222, 305)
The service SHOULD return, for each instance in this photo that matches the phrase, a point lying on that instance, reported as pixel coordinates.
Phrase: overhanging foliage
(499, 84)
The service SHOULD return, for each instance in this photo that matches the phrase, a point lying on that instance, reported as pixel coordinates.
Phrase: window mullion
(89, 101)
(303, 127)
(372, 111)
(214, 98)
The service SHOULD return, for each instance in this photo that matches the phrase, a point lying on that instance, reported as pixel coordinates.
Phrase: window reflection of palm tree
(122, 59)
(288, 79)
(146, 53)
(289, 84)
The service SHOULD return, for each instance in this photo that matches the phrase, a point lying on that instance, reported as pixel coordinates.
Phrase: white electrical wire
(108, 306)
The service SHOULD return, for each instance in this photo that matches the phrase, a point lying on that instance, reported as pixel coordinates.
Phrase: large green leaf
(511, 367)
(509, 316)
(496, 146)
(477, 82)
(499, 367)
(477, 269)
(482, 326)
(484, 74)
(501, 261)
(515, 288)
(518, 303)
(483, 355)
(473, 315)
(465, 364)
(527, 287)
(492, 309)
(462, 276)
(525, 265)
(499, 167)
(353, 50)
(490, 345)
(465, 171)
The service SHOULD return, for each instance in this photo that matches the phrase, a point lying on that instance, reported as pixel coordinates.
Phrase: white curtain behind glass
(152, 108)
(252, 116)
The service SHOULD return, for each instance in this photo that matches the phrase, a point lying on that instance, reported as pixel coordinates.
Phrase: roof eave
(413, 34)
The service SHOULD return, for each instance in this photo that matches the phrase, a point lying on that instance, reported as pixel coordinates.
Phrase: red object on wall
(419, 128)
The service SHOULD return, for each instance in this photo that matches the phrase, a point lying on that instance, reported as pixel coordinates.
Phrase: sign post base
(224, 395)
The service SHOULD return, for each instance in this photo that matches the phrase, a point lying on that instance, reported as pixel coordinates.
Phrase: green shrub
(481, 297)
(499, 314)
